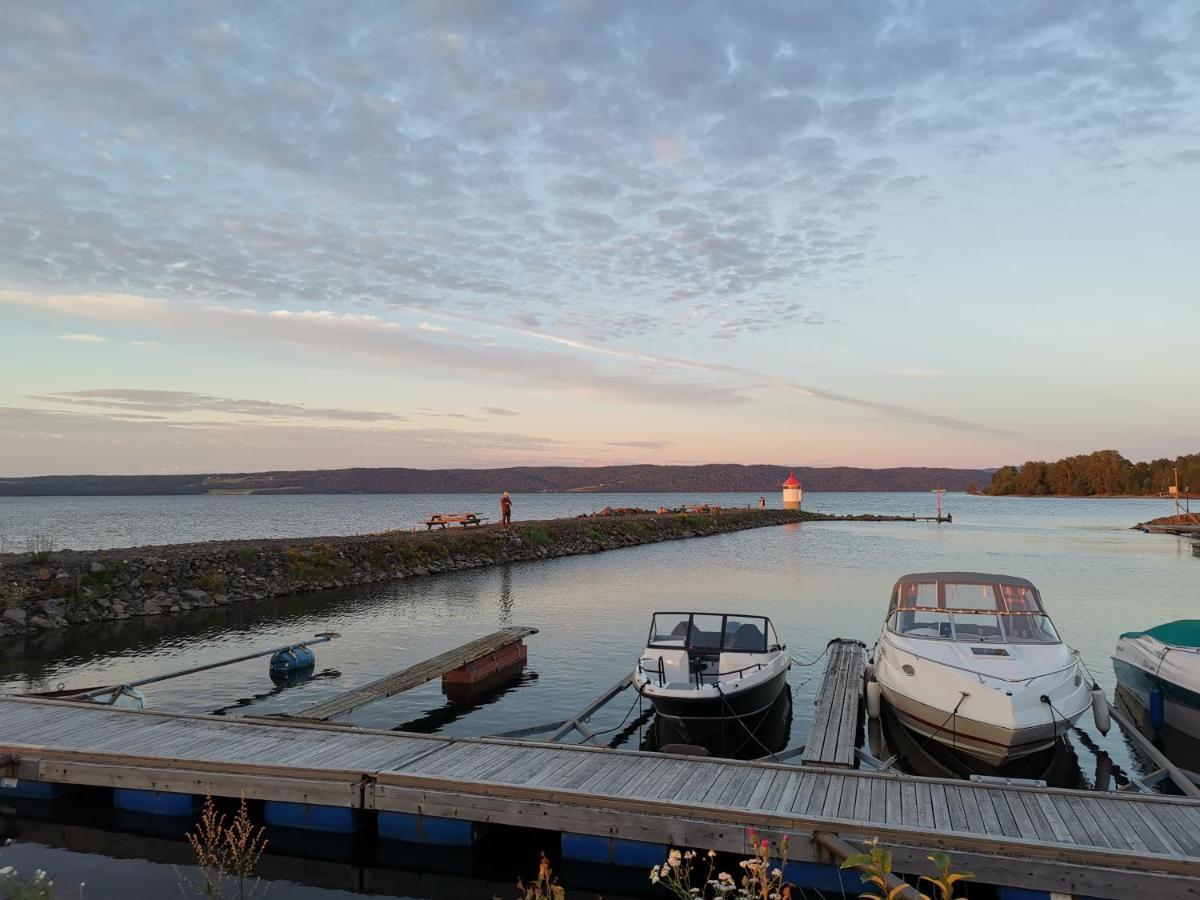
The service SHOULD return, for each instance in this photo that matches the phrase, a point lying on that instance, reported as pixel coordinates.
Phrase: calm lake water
(816, 581)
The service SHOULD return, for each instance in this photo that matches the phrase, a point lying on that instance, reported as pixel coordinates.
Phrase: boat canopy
(712, 632)
(1181, 633)
(971, 607)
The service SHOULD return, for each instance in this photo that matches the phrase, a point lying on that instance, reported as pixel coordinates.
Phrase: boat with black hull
(710, 673)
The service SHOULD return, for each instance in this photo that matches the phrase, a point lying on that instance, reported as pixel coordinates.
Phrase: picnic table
(443, 519)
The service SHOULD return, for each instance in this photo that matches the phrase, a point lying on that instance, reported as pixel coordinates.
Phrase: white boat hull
(1143, 663)
(991, 719)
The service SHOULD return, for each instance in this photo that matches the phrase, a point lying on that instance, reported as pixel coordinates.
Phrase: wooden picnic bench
(443, 519)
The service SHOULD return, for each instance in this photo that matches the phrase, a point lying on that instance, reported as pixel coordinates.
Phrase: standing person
(762, 502)
(505, 509)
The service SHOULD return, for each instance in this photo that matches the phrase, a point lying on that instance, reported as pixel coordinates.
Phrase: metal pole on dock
(320, 638)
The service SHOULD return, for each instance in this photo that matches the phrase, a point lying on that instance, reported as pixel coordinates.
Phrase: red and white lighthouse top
(792, 481)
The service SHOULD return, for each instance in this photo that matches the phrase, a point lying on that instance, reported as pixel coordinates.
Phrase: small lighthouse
(793, 493)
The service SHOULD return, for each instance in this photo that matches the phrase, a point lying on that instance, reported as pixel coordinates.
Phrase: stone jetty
(56, 589)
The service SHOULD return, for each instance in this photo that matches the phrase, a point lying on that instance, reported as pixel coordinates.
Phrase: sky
(247, 236)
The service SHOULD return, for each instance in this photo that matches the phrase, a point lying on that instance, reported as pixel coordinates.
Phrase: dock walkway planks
(1097, 844)
(834, 733)
(413, 676)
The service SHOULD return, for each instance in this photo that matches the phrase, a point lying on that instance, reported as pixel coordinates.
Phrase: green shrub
(320, 562)
(536, 535)
(243, 556)
(212, 580)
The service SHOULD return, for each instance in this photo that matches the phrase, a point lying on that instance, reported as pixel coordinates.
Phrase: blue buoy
(1158, 714)
(293, 659)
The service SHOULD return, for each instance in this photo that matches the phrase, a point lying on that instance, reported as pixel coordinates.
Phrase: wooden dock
(834, 734)
(414, 676)
(1096, 844)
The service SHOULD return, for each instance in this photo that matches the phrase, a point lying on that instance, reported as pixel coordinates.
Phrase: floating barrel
(1100, 712)
(1158, 713)
(293, 659)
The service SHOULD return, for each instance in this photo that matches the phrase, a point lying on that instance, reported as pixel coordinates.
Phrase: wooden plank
(415, 675)
(924, 806)
(1034, 818)
(958, 813)
(908, 803)
(1155, 828)
(835, 723)
(941, 810)
(987, 813)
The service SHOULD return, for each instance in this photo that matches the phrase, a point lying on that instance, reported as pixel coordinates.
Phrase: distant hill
(521, 479)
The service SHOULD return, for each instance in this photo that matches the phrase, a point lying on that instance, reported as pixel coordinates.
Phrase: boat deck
(1098, 844)
(834, 734)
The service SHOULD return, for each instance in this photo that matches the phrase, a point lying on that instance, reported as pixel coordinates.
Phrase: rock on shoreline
(70, 587)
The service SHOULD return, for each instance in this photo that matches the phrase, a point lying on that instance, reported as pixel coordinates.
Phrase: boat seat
(747, 637)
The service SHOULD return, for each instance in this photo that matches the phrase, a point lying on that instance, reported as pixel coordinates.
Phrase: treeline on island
(715, 478)
(1104, 472)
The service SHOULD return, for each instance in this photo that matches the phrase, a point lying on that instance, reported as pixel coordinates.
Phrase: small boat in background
(707, 673)
(1160, 667)
(972, 661)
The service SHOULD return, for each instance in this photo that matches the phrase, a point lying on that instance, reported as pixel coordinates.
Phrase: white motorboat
(1161, 668)
(705, 672)
(972, 661)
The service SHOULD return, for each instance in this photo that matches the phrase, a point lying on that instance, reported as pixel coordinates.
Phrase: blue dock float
(415, 828)
(312, 817)
(612, 851)
(28, 789)
(155, 803)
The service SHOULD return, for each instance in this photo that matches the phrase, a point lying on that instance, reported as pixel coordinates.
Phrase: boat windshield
(971, 612)
(713, 632)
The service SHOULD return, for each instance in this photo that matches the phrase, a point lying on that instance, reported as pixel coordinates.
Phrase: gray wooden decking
(833, 737)
(1099, 844)
(414, 676)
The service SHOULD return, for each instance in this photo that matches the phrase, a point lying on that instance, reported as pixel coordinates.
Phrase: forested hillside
(1096, 474)
(524, 479)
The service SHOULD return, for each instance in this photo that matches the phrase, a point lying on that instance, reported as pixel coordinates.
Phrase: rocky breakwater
(49, 590)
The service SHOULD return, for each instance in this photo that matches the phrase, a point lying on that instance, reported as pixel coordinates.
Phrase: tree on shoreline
(1104, 472)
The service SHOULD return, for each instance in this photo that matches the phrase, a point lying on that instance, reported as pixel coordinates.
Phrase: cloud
(85, 338)
(641, 445)
(514, 161)
(38, 441)
(371, 340)
(129, 401)
(498, 411)
(368, 338)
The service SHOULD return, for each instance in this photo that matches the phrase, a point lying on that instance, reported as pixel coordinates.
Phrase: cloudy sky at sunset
(459, 232)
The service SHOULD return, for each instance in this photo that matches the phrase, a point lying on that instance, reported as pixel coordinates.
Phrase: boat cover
(1181, 633)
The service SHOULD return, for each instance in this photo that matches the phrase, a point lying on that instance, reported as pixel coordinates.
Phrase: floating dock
(833, 739)
(463, 657)
(617, 806)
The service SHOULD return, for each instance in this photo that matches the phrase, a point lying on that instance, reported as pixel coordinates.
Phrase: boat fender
(1100, 710)
(873, 698)
(293, 659)
(1158, 713)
